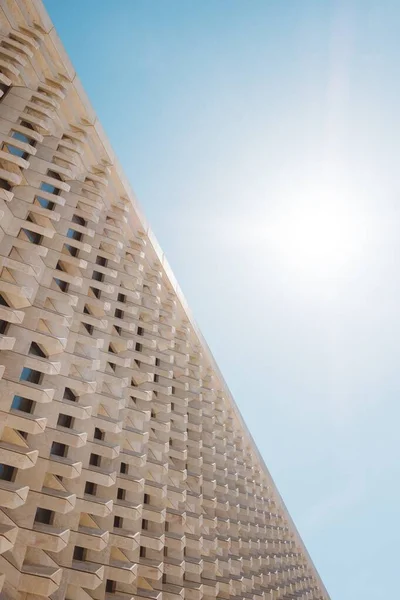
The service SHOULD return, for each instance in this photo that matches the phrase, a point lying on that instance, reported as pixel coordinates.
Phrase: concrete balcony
(127, 510)
(85, 574)
(150, 569)
(94, 505)
(124, 572)
(18, 456)
(63, 466)
(22, 421)
(45, 537)
(152, 541)
(174, 567)
(175, 542)
(193, 566)
(153, 513)
(124, 539)
(100, 476)
(43, 580)
(8, 536)
(56, 500)
(91, 538)
(193, 590)
(12, 495)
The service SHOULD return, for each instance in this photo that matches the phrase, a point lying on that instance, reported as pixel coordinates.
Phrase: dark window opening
(118, 522)
(146, 499)
(90, 488)
(7, 473)
(97, 276)
(94, 460)
(65, 420)
(74, 235)
(30, 375)
(63, 285)
(98, 434)
(78, 220)
(79, 553)
(4, 325)
(43, 515)
(142, 552)
(111, 586)
(100, 260)
(36, 350)
(4, 185)
(22, 404)
(145, 524)
(123, 468)
(71, 249)
(96, 292)
(138, 347)
(58, 449)
(69, 395)
(121, 494)
(140, 331)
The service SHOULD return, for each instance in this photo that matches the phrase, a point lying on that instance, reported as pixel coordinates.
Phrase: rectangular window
(49, 188)
(69, 395)
(146, 499)
(119, 313)
(118, 522)
(145, 524)
(98, 434)
(22, 404)
(90, 488)
(7, 473)
(121, 494)
(43, 515)
(79, 553)
(142, 552)
(30, 375)
(100, 260)
(45, 203)
(121, 298)
(64, 421)
(16, 151)
(138, 347)
(111, 586)
(58, 449)
(97, 276)
(4, 326)
(94, 460)
(140, 331)
(74, 235)
(123, 468)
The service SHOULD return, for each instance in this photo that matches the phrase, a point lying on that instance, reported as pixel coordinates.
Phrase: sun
(320, 238)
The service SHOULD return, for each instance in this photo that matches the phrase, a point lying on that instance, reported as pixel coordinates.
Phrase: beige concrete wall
(127, 470)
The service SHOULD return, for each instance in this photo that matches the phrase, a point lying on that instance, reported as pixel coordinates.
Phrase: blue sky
(262, 140)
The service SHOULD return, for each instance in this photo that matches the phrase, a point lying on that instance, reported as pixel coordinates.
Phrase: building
(126, 469)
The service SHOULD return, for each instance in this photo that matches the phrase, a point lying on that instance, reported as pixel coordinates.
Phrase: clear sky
(263, 140)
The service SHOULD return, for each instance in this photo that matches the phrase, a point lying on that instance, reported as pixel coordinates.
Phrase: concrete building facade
(126, 469)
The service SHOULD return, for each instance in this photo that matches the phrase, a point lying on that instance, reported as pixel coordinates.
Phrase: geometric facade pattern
(126, 469)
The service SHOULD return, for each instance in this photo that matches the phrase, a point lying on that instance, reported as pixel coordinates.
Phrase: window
(78, 220)
(49, 188)
(97, 276)
(145, 524)
(121, 494)
(165, 551)
(58, 449)
(65, 420)
(63, 285)
(69, 395)
(153, 413)
(7, 473)
(164, 578)
(142, 552)
(45, 203)
(119, 313)
(96, 292)
(36, 350)
(4, 325)
(158, 362)
(123, 468)
(16, 151)
(4, 185)
(17, 135)
(118, 522)
(30, 375)
(172, 404)
(33, 236)
(166, 526)
(111, 586)
(3, 301)
(71, 249)
(79, 553)
(98, 434)
(43, 515)
(146, 499)
(94, 460)
(140, 331)
(74, 235)
(156, 378)
(100, 260)
(121, 298)
(54, 175)
(22, 404)
(90, 488)
(138, 347)
(4, 88)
